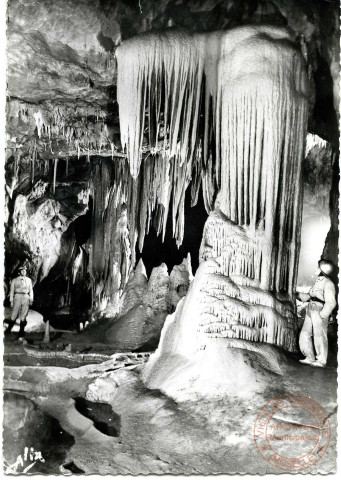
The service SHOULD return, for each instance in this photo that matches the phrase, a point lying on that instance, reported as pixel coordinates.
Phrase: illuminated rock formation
(250, 86)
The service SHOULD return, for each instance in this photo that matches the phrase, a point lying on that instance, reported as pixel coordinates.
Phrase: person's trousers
(21, 306)
(314, 333)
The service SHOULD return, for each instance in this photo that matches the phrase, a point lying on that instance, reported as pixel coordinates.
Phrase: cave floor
(67, 350)
(153, 433)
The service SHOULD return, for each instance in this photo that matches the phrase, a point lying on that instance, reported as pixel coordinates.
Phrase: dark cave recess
(156, 252)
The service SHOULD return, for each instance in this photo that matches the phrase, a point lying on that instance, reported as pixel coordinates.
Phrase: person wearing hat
(322, 301)
(21, 297)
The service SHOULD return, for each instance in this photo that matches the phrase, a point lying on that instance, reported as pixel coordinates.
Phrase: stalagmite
(255, 81)
(46, 338)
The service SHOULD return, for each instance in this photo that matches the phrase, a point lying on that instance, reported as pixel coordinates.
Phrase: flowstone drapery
(124, 209)
(230, 106)
(242, 308)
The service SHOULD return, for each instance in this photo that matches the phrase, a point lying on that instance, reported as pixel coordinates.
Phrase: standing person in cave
(21, 297)
(322, 301)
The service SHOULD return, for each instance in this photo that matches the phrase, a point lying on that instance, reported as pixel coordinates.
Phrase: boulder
(35, 321)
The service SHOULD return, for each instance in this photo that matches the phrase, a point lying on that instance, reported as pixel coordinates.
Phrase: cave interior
(156, 159)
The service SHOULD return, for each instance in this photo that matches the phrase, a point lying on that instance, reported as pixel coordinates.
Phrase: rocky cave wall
(63, 133)
(316, 214)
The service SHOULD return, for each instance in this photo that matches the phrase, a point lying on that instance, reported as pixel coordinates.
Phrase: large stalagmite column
(256, 113)
(255, 227)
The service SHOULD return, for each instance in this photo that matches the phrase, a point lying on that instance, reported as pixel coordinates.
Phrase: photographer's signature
(24, 462)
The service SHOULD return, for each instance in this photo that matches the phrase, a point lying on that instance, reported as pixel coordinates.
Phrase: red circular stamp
(292, 432)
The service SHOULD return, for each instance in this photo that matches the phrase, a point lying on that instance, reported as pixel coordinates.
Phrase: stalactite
(202, 73)
(39, 122)
(226, 110)
(242, 130)
(34, 158)
(144, 200)
(55, 164)
(81, 135)
(148, 66)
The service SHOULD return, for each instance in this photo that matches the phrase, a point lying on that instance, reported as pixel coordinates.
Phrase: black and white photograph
(170, 229)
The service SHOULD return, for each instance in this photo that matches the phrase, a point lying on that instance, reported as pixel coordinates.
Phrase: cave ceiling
(61, 72)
